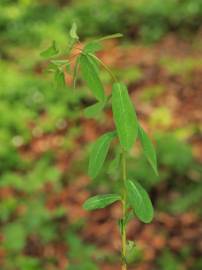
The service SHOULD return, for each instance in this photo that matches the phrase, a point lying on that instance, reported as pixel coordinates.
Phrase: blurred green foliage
(168, 261)
(84, 261)
(29, 22)
(150, 93)
(181, 66)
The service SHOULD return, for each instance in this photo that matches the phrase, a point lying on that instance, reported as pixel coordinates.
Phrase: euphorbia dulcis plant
(134, 199)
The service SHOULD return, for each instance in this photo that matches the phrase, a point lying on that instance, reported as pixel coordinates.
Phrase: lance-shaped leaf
(93, 59)
(139, 201)
(100, 201)
(117, 35)
(90, 75)
(124, 116)
(94, 110)
(148, 149)
(92, 47)
(99, 153)
(51, 51)
(59, 63)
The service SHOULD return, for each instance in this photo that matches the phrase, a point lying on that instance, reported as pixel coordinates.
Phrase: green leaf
(148, 148)
(51, 68)
(90, 75)
(93, 56)
(51, 51)
(133, 252)
(76, 68)
(99, 153)
(92, 47)
(72, 39)
(59, 63)
(93, 59)
(73, 32)
(130, 251)
(124, 116)
(94, 110)
(60, 79)
(100, 201)
(117, 35)
(140, 201)
(56, 65)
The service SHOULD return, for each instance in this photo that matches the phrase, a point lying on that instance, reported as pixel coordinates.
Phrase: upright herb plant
(133, 197)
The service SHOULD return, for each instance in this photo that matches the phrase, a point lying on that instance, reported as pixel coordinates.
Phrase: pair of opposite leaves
(128, 129)
(138, 200)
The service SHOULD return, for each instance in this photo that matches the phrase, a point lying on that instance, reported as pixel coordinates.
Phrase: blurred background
(45, 139)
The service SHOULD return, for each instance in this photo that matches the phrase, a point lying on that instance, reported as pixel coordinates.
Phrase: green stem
(124, 209)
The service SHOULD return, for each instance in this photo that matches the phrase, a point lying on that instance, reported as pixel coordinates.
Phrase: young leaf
(59, 63)
(133, 252)
(117, 35)
(124, 116)
(59, 78)
(99, 153)
(100, 201)
(148, 148)
(72, 39)
(51, 51)
(73, 32)
(94, 110)
(140, 201)
(90, 75)
(92, 47)
(52, 67)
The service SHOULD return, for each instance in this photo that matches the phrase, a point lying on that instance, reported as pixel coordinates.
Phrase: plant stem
(124, 206)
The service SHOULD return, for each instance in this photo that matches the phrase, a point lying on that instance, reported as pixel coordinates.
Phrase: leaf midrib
(137, 191)
(100, 147)
(105, 198)
(105, 140)
(94, 78)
